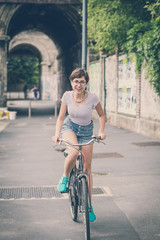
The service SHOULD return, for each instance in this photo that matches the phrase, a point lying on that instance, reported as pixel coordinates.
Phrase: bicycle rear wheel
(73, 196)
(85, 198)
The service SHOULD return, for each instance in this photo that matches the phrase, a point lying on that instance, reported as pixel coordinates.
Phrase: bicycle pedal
(65, 153)
(67, 190)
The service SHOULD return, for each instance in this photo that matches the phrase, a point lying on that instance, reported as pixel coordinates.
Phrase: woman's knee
(73, 154)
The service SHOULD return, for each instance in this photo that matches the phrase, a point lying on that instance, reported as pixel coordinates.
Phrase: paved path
(126, 172)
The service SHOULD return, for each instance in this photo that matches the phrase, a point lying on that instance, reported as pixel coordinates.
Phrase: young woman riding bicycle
(78, 126)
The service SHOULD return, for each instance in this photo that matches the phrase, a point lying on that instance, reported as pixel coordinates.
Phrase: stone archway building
(47, 29)
(44, 49)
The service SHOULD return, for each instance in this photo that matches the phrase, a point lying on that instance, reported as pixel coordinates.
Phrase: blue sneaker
(62, 186)
(92, 216)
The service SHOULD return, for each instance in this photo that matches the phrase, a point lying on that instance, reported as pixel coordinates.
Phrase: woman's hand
(102, 135)
(55, 139)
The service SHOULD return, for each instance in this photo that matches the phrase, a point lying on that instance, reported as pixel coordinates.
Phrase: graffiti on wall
(127, 85)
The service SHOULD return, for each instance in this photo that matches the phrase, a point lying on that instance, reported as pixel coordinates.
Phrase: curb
(3, 125)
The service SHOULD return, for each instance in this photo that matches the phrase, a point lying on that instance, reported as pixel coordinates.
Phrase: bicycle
(78, 189)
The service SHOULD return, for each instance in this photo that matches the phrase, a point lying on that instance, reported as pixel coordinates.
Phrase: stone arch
(60, 21)
(45, 50)
(7, 11)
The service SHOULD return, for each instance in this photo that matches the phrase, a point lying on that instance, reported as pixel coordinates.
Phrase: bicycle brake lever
(59, 141)
(98, 139)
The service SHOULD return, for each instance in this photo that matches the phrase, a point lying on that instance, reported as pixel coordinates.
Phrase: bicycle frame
(79, 194)
(78, 188)
(81, 174)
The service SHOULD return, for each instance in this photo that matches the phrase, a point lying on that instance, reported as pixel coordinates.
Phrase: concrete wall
(150, 102)
(94, 74)
(111, 84)
(138, 110)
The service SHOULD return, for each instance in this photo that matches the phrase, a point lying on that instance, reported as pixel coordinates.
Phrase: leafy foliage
(144, 40)
(109, 22)
(130, 26)
(23, 70)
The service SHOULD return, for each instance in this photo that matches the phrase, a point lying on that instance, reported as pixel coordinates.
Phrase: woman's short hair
(78, 73)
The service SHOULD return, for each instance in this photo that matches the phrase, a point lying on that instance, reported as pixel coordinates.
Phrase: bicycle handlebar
(94, 139)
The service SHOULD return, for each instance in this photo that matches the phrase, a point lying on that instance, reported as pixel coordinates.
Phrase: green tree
(130, 26)
(23, 70)
(144, 40)
(109, 21)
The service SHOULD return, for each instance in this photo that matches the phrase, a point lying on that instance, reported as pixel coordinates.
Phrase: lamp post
(84, 36)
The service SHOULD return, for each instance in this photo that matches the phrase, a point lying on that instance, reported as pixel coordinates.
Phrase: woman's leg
(72, 152)
(87, 153)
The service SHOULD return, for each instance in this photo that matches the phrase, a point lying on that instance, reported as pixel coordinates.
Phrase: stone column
(43, 80)
(3, 70)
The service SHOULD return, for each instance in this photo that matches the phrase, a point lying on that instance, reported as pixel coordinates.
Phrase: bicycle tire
(85, 198)
(73, 197)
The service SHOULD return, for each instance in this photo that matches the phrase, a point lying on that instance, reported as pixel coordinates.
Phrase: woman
(78, 126)
(35, 91)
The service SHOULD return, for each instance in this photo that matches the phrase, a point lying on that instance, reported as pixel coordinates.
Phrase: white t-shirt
(81, 114)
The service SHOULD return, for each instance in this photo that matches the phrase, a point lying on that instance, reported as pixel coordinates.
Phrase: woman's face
(79, 84)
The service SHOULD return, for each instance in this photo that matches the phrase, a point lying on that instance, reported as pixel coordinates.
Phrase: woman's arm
(101, 121)
(59, 123)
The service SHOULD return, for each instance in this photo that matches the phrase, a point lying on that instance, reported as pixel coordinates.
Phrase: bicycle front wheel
(73, 197)
(85, 199)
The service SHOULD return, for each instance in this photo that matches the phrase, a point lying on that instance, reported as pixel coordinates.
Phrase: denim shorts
(83, 133)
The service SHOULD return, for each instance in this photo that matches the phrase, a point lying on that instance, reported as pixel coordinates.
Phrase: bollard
(29, 110)
(55, 109)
